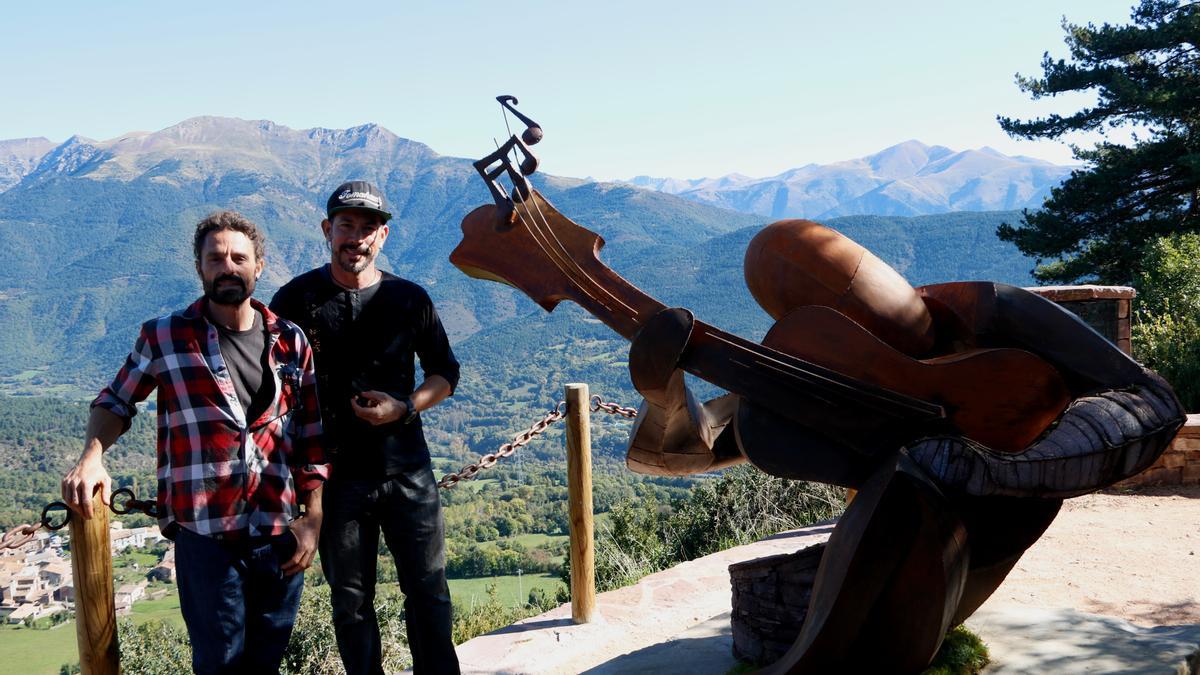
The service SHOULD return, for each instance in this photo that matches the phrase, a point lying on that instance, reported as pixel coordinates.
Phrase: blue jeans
(233, 595)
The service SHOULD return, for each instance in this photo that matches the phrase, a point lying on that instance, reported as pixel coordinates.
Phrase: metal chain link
(23, 534)
(133, 504)
(599, 404)
(489, 460)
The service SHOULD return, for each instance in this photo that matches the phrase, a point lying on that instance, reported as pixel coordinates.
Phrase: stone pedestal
(770, 601)
(1104, 308)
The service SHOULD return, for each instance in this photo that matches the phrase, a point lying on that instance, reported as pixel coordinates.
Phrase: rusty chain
(599, 404)
(132, 504)
(489, 460)
(23, 534)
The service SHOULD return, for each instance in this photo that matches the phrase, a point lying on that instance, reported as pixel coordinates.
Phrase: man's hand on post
(380, 408)
(80, 483)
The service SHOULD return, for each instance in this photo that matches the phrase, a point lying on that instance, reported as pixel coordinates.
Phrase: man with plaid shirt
(239, 450)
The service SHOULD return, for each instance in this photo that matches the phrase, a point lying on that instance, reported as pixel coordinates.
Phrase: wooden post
(95, 610)
(579, 500)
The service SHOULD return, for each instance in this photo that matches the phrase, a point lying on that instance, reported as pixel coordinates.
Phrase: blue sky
(683, 89)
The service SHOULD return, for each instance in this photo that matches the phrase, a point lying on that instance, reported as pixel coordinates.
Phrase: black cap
(357, 194)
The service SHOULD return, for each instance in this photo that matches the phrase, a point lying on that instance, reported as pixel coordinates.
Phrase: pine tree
(1146, 75)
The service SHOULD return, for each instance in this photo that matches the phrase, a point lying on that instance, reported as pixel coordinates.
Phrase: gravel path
(1132, 555)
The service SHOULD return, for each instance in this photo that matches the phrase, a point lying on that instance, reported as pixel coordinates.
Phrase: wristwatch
(410, 411)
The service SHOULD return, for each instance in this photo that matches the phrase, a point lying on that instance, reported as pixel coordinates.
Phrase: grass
(509, 590)
(24, 651)
(962, 653)
(535, 539)
(165, 609)
(124, 571)
(144, 560)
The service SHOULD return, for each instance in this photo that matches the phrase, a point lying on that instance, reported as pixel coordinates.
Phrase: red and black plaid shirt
(219, 473)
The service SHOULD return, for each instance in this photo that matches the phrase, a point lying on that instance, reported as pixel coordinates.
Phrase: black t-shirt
(245, 354)
(368, 339)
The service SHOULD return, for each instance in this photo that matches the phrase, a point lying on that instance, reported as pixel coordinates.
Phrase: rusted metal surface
(23, 534)
(867, 383)
(795, 263)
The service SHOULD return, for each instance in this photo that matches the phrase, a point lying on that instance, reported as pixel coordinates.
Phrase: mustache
(230, 277)
(351, 248)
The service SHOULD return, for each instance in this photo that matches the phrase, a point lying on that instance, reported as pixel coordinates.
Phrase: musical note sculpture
(963, 413)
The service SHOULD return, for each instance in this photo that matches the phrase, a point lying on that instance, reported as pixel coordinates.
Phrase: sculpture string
(963, 412)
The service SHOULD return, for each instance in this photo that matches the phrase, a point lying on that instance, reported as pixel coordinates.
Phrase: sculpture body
(963, 413)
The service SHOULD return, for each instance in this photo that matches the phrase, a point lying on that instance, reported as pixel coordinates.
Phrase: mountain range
(907, 179)
(95, 238)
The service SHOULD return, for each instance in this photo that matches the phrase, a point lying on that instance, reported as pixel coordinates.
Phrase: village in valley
(36, 585)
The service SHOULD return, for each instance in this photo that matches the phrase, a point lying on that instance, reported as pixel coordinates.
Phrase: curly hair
(228, 220)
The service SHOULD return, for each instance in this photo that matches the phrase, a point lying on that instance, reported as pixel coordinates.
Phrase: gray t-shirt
(245, 354)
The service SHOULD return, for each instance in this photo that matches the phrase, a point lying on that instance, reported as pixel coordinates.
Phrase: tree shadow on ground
(1024, 640)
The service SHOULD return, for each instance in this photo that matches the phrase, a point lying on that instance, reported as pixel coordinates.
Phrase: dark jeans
(405, 507)
(238, 606)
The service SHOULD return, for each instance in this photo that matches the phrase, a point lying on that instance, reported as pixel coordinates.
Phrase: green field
(535, 539)
(165, 608)
(24, 651)
(509, 589)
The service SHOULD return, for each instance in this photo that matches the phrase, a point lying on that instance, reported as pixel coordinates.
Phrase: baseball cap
(357, 194)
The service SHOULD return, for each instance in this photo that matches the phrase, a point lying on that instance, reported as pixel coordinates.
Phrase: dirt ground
(1133, 555)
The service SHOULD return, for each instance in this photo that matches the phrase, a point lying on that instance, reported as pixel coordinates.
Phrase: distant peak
(910, 143)
(78, 140)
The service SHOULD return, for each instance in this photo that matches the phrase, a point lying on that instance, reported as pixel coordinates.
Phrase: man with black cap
(366, 326)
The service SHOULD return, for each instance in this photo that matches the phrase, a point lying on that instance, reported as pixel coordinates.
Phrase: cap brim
(386, 216)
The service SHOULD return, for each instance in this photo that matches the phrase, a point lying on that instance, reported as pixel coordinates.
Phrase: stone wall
(1107, 309)
(770, 601)
(1104, 308)
(1178, 465)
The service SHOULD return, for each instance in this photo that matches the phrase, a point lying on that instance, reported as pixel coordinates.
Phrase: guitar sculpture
(963, 413)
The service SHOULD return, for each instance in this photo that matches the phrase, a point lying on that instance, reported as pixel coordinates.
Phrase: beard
(366, 253)
(233, 294)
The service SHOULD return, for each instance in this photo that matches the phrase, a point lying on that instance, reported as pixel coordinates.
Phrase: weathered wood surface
(95, 608)
(579, 498)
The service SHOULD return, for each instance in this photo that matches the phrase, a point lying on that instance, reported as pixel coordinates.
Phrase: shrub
(313, 647)
(961, 653)
(1170, 345)
(154, 648)
(634, 541)
(1166, 327)
(485, 617)
(742, 505)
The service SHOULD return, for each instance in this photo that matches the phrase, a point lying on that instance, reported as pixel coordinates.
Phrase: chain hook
(46, 521)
